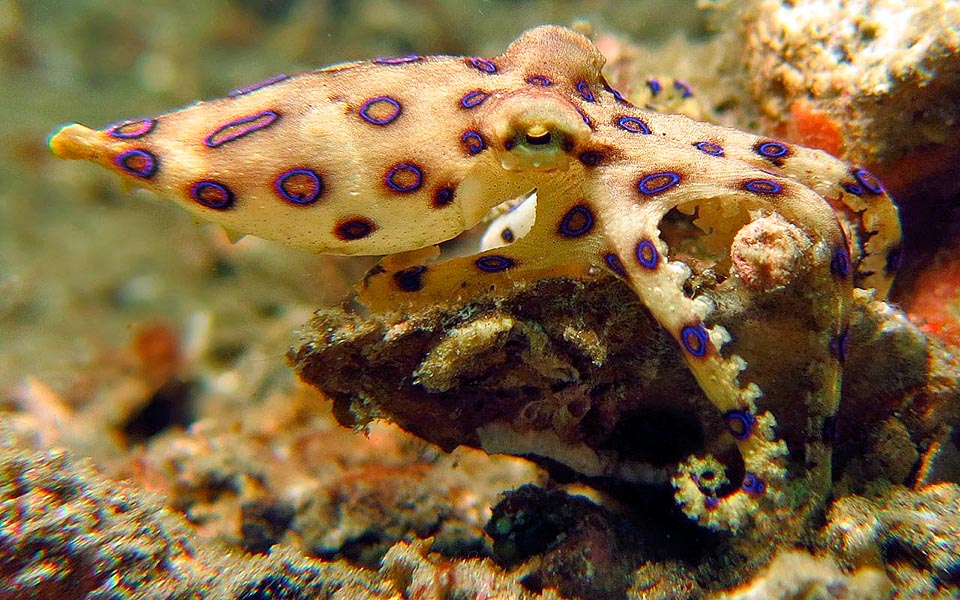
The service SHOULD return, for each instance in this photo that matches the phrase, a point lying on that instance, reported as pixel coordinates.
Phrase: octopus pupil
(539, 140)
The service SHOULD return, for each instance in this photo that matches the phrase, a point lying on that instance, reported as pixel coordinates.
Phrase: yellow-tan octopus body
(398, 154)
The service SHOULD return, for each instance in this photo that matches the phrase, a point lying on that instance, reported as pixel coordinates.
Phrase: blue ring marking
(482, 64)
(710, 148)
(568, 226)
(243, 126)
(541, 80)
(753, 484)
(615, 264)
(404, 168)
(493, 263)
(616, 95)
(410, 279)
(838, 346)
(840, 262)
(141, 127)
(869, 181)
(763, 186)
(711, 502)
(643, 185)
(695, 340)
(128, 162)
(853, 188)
(591, 158)
(473, 142)
(585, 92)
(396, 60)
(354, 229)
(443, 197)
(314, 189)
(647, 254)
(473, 99)
(390, 118)
(212, 194)
(772, 149)
(683, 88)
(633, 125)
(585, 117)
(240, 91)
(740, 423)
(655, 86)
(507, 235)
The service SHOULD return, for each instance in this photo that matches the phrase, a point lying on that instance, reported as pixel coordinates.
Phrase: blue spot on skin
(241, 127)
(614, 264)
(647, 254)
(493, 263)
(740, 423)
(655, 87)
(709, 148)
(772, 149)
(585, 92)
(473, 99)
(482, 64)
(473, 142)
(695, 340)
(300, 186)
(404, 178)
(753, 484)
(633, 125)
(212, 194)
(840, 262)
(386, 118)
(138, 163)
(869, 181)
(654, 183)
(577, 222)
(763, 186)
(131, 130)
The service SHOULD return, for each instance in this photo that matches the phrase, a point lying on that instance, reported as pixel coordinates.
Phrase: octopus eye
(538, 135)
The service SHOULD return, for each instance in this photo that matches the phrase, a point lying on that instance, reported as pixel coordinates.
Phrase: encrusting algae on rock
(349, 160)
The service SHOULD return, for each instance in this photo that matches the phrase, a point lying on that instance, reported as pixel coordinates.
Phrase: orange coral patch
(811, 127)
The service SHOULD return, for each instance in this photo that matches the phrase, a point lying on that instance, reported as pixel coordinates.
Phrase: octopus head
(536, 132)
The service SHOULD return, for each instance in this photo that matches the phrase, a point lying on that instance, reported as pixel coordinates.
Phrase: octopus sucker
(349, 160)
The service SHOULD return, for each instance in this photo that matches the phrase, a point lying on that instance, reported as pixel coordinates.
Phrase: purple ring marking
(410, 279)
(853, 188)
(138, 163)
(354, 229)
(473, 142)
(443, 197)
(695, 339)
(683, 88)
(374, 103)
(711, 502)
(212, 194)
(655, 86)
(132, 129)
(482, 64)
(647, 254)
(300, 186)
(585, 92)
(586, 118)
(838, 346)
(648, 184)
(616, 95)
(710, 148)
(840, 262)
(541, 80)
(615, 264)
(763, 186)
(740, 423)
(493, 263)
(256, 86)
(473, 99)
(772, 149)
(590, 158)
(238, 128)
(753, 484)
(404, 178)
(577, 222)
(396, 60)
(869, 181)
(633, 125)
